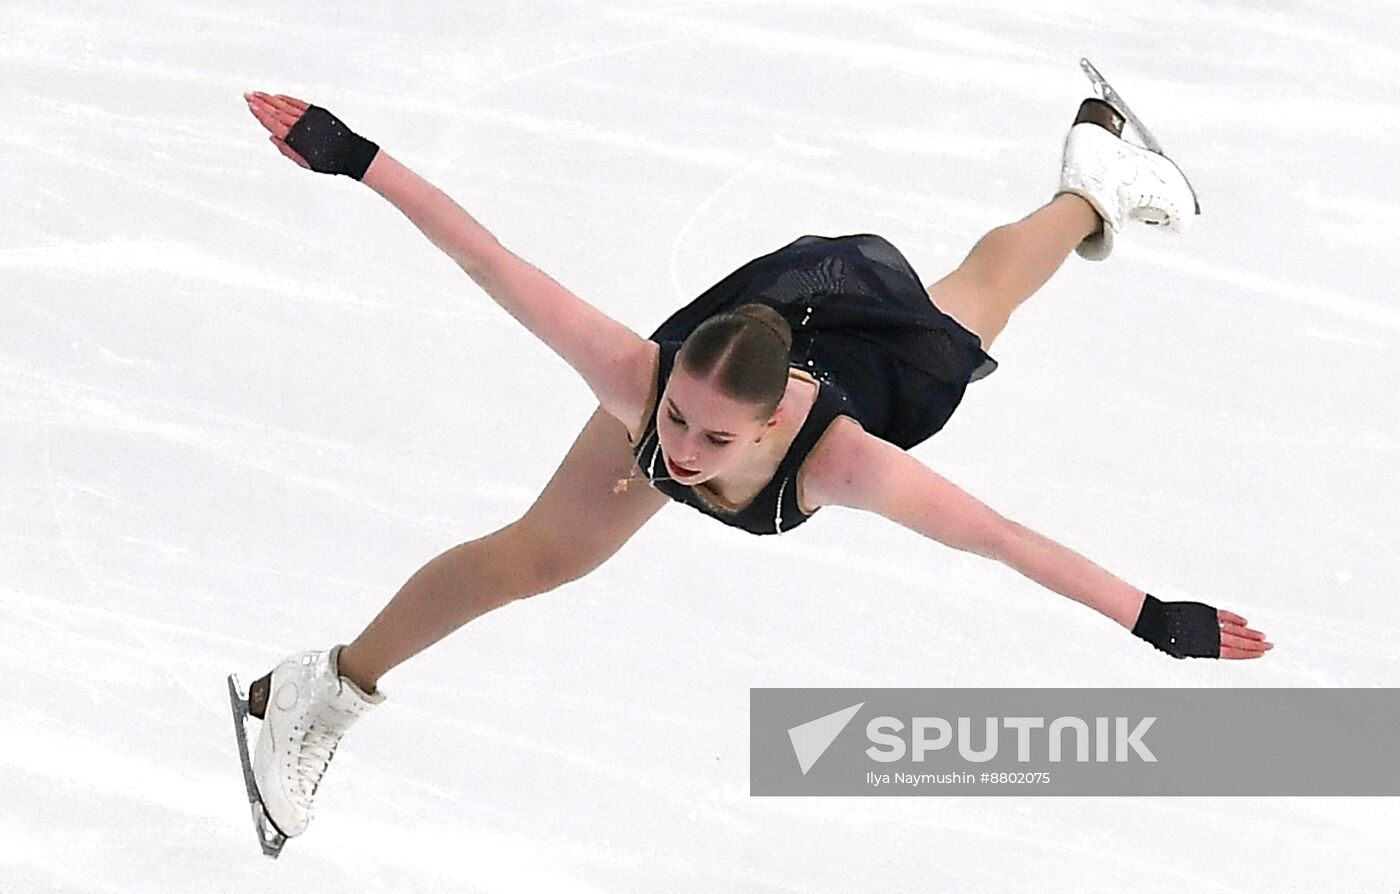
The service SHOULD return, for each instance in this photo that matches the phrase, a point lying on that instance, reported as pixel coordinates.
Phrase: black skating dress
(863, 328)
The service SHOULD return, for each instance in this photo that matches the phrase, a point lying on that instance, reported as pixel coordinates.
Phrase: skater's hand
(1237, 639)
(311, 136)
(1197, 630)
(278, 114)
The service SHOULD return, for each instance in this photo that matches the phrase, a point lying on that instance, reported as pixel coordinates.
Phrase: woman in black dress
(797, 382)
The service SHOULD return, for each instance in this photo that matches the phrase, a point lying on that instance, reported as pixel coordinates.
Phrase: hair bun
(747, 350)
(770, 318)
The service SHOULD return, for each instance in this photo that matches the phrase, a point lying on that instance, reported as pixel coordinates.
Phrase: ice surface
(241, 403)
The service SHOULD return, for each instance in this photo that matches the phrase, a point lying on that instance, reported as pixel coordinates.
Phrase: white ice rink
(240, 403)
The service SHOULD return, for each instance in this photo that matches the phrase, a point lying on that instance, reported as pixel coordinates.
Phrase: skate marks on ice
(1267, 289)
(64, 403)
(399, 837)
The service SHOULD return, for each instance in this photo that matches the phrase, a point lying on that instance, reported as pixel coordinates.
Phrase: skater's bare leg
(1010, 263)
(464, 582)
(574, 526)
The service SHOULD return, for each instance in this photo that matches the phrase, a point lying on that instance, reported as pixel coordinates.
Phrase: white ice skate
(1123, 181)
(305, 707)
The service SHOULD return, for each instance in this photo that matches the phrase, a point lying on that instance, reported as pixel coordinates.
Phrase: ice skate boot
(305, 707)
(1123, 181)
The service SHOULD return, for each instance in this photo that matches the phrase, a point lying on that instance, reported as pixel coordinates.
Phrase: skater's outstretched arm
(612, 359)
(866, 472)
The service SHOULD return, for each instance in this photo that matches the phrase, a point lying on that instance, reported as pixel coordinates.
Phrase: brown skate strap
(1096, 111)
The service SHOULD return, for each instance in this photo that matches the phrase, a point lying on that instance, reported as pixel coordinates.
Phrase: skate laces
(324, 730)
(1145, 195)
(1152, 205)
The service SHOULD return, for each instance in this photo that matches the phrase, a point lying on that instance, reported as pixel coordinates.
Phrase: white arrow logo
(811, 739)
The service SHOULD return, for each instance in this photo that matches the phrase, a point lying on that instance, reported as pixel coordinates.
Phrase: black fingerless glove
(1181, 629)
(330, 147)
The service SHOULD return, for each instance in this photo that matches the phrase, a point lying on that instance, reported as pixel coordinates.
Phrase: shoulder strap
(647, 448)
(786, 511)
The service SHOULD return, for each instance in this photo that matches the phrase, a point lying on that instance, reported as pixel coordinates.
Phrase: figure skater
(798, 382)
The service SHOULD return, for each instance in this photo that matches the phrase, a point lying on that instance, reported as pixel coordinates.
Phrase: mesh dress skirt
(861, 320)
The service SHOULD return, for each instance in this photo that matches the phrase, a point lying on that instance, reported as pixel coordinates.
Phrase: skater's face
(704, 432)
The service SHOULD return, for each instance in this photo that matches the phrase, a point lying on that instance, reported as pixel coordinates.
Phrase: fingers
(278, 119)
(1233, 654)
(267, 116)
(285, 104)
(289, 152)
(1234, 646)
(1245, 632)
(1229, 617)
(296, 104)
(277, 115)
(1238, 640)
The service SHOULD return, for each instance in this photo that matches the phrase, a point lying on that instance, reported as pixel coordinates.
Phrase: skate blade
(269, 839)
(1106, 92)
